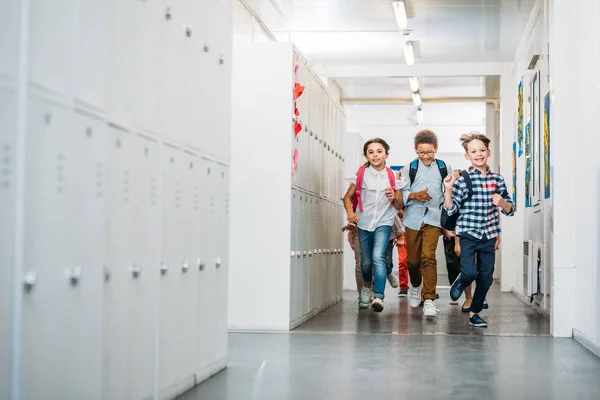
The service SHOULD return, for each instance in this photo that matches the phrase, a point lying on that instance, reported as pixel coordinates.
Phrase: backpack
(449, 221)
(414, 165)
(356, 200)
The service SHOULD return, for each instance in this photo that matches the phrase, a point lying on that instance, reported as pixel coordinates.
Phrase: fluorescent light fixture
(409, 53)
(420, 114)
(417, 99)
(400, 11)
(414, 83)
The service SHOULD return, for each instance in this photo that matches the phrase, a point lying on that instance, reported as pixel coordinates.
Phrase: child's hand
(349, 227)
(457, 248)
(449, 181)
(400, 241)
(498, 200)
(389, 192)
(422, 196)
(352, 218)
(497, 243)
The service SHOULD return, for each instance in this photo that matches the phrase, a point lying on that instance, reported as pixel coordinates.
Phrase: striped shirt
(479, 216)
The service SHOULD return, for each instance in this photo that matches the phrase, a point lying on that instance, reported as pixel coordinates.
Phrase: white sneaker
(429, 309)
(365, 298)
(393, 280)
(414, 295)
(377, 305)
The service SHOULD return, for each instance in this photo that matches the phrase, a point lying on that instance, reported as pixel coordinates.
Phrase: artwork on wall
(514, 174)
(528, 165)
(547, 146)
(520, 116)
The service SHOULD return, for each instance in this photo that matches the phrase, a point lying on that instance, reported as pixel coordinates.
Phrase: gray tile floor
(344, 353)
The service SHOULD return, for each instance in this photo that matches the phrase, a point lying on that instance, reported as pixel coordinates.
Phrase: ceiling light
(420, 114)
(409, 53)
(400, 11)
(414, 83)
(417, 99)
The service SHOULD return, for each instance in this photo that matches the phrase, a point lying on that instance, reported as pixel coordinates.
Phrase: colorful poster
(547, 146)
(528, 165)
(514, 174)
(520, 111)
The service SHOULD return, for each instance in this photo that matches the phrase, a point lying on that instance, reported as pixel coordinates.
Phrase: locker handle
(75, 276)
(184, 267)
(310, 253)
(200, 264)
(298, 254)
(218, 262)
(293, 254)
(29, 281)
(136, 270)
(164, 268)
(106, 274)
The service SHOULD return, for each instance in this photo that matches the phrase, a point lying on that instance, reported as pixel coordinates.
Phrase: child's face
(426, 153)
(376, 155)
(477, 153)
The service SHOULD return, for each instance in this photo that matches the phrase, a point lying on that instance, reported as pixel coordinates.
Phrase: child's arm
(350, 215)
(502, 199)
(453, 193)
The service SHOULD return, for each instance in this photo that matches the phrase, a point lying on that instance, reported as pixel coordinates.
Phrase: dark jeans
(452, 260)
(389, 257)
(481, 271)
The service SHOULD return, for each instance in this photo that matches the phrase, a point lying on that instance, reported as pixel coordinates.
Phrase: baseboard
(585, 342)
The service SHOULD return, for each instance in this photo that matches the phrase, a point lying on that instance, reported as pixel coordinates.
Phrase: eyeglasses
(425, 153)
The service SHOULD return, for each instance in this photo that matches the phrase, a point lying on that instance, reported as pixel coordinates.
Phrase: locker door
(51, 29)
(206, 272)
(90, 63)
(295, 282)
(220, 261)
(8, 127)
(9, 47)
(47, 251)
(173, 195)
(188, 285)
(145, 253)
(118, 240)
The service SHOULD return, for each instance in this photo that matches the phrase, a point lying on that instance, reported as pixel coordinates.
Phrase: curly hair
(426, 137)
(467, 138)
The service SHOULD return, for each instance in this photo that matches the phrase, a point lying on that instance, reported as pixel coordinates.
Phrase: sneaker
(364, 298)
(414, 294)
(429, 309)
(456, 289)
(403, 293)
(377, 305)
(477, 321)
(393, 280)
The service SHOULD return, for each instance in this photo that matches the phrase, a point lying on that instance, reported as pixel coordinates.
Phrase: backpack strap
(469, 183)
(392, 178)
(412, 173)
(359, 180)
(443, 168)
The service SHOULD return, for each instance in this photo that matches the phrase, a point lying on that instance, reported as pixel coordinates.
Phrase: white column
(562, 134)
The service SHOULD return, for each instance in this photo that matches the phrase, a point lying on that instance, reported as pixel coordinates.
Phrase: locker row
(320, 163)
(315, 282)
(160, 66)
(125, 251)
(316, 255)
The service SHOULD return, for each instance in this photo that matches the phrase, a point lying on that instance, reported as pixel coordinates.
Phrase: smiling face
(426, 153)
(376, 155)
(477, 153)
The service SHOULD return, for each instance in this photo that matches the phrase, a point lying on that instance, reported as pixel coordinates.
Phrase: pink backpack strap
(392, 178)
(359, 180)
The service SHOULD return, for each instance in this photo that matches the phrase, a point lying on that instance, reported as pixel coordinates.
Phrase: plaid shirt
(479, 216)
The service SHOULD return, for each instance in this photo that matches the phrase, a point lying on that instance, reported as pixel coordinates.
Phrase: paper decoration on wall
(520, 111)
(547, 146)
(297, 128)
(528, 165)
(514, 174)
(298, 90)
(295, 163)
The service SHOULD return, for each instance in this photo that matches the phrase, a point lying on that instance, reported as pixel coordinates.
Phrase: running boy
(478, 224)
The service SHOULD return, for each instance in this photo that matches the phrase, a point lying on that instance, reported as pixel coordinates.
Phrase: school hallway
(346, 353)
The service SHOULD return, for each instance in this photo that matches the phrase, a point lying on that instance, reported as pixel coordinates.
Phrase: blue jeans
(373, 246)
(481, 271)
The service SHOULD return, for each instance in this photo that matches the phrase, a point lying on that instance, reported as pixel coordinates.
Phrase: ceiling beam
(403, 70)
(425, 100)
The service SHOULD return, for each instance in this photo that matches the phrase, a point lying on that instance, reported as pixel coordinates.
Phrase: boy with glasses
(423, 197)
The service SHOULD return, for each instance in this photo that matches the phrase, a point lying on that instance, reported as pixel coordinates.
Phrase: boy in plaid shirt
(478, 225)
